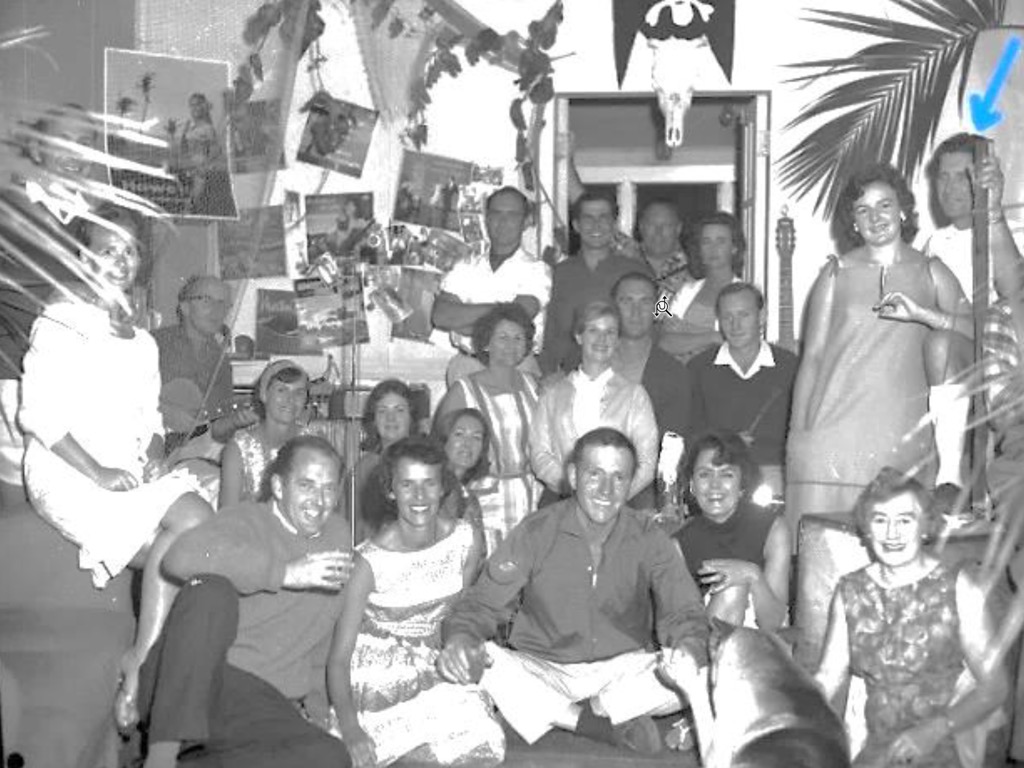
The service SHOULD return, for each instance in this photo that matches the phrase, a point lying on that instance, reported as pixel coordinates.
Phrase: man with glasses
(194, 370)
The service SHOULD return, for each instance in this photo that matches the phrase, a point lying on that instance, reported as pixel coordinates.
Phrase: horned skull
(675, 69)
(677, 60)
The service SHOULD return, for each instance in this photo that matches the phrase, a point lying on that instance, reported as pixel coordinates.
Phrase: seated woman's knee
(187, 512)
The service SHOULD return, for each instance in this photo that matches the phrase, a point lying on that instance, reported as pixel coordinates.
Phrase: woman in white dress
(390, 700)
(93, 461)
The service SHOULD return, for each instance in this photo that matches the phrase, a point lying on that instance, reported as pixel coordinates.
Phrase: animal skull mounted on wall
(677, 62)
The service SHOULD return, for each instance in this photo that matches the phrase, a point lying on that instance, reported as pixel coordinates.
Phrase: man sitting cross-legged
(583, 573)
(225, 684)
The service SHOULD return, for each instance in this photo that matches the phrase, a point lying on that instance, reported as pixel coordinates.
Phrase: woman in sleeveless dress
(919, 632)
(877, 321)
(281, 395)
(382, 678)
(739, 553)
(507, 398)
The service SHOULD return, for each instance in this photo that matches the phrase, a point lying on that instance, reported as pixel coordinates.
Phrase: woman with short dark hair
(507, 398)
(737, 552)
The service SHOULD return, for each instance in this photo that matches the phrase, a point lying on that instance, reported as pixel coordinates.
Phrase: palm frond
(890, 111)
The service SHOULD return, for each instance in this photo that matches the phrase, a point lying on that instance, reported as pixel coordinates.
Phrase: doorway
(722, 165)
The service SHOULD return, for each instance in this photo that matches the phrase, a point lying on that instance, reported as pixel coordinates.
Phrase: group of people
(512, 566)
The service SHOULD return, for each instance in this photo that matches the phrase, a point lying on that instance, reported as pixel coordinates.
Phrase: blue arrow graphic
(983, 111)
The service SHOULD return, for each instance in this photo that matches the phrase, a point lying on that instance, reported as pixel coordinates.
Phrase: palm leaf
(891, 110)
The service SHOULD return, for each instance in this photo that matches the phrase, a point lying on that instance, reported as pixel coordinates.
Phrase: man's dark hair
(284, 463)
(483, 328)
(843, 224)
(958, 142)
(733, 288)
(602, 437)
(590, 197)
(739, 240)
(633, 277)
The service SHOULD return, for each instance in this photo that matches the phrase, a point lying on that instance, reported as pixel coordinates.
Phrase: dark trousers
(224, 717)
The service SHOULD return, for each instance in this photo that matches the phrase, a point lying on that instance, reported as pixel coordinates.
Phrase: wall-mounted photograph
(179, 104)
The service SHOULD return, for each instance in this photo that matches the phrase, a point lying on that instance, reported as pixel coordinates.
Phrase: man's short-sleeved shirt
(521, 274)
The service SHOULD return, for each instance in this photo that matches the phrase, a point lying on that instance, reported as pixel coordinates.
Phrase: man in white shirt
(955, 181)
(508, 274)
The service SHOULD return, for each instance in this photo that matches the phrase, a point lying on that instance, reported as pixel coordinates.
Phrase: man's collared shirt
(764, 359)
(521, 274)
(572, 611)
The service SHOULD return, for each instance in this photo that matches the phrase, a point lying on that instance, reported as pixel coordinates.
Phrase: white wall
(468, 118)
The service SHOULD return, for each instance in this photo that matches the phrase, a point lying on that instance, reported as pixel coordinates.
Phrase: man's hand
(319, 570)
(361, 748)
(722, 573)
(462, 660)
(113, 479)
(988, 175)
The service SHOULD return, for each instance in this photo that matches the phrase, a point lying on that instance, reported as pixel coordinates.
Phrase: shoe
(640, 734)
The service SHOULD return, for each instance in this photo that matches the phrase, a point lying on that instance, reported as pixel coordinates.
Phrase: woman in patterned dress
(918, 631)
(281, 395)
(382, 679)
(507, 398)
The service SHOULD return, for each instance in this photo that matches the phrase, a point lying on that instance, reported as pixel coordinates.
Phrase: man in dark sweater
(746, 384)
(640, 359)
(226, 683)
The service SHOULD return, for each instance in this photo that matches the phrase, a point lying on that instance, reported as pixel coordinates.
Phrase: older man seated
(227, 680)
(585, 574)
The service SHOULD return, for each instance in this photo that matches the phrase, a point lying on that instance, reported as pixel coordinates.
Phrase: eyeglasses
(209, 301)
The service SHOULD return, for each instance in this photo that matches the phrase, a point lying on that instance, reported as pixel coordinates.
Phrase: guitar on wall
(785, 244)
(184, 414)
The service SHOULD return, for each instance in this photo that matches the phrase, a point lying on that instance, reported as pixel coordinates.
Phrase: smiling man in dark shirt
(588, 571)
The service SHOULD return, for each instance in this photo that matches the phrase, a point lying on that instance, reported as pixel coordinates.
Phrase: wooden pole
(979, 264)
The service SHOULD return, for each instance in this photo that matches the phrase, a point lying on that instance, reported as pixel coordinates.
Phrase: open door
(723, 163)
